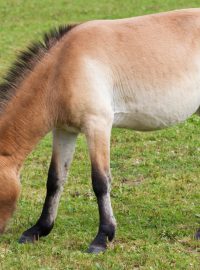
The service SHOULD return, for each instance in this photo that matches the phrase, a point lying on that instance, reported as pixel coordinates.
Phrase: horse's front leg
(98, 138)
(63, 149)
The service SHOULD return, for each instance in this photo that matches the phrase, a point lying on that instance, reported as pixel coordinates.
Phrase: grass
(155, 175)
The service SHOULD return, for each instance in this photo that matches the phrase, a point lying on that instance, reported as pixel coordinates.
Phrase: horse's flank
(140, 73)
(145, 63)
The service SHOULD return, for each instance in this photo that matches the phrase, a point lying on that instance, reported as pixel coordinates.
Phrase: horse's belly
(155, 111)
(142, 121)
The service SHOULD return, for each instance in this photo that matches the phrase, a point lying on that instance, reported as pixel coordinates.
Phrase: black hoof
(31, 235)
(25, 239)
(96, 249)
(34, 233)
(197, 235)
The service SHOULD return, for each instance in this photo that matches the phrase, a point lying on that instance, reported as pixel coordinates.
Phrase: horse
(141, 73)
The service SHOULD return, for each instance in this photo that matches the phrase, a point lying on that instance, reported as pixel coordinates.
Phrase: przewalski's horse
(141, 73)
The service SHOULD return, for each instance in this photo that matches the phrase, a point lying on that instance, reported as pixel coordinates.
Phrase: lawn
(155, 190)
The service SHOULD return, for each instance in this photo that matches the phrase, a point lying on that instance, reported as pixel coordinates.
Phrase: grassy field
(155, 191)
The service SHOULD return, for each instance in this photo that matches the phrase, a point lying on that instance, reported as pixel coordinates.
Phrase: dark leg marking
(63, 150)
(45, 223)
(101, 185)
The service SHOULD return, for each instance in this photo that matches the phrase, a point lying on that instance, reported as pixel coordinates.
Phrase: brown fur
(66, 86)
(9, 192)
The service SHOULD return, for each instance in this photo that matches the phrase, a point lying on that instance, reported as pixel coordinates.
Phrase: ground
(156, 175)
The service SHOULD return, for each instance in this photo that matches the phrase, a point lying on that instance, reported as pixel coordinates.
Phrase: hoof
(197, 235)
(25, 239)
(96, 249)
(35, 232)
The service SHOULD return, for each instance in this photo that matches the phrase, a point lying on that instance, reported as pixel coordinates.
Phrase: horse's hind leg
(63, 149)
(98, 138)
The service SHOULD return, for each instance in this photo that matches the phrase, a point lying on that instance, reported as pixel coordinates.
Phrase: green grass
(155, 175)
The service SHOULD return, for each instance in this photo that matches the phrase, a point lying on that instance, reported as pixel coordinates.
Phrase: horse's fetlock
(45, 227)
(109, 230)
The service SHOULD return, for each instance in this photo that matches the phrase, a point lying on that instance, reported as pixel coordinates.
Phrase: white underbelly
(153, 109)
(144, 121)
